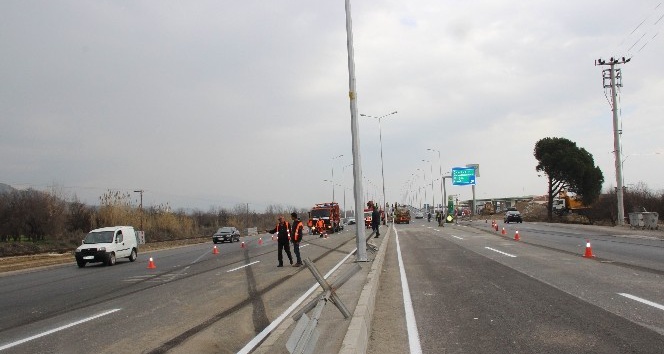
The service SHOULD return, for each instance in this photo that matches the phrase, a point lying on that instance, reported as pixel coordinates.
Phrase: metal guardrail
(305, 336)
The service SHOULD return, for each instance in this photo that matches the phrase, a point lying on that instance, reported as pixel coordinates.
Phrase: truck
(488, 209)
(402, 215)
(565, 204)
(329, 213)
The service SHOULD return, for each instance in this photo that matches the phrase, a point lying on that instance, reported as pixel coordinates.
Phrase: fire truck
(329, 213)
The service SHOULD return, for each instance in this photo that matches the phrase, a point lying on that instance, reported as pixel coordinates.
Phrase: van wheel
(81, 264)
(133, 255)
(110, 260)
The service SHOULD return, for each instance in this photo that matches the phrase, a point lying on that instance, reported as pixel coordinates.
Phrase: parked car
(512, 215)
(350, 221)
(228, 233)
(419, 215)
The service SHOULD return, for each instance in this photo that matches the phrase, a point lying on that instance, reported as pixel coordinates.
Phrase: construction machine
(565, 204)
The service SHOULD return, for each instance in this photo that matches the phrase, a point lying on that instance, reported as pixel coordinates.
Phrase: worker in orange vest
(282, 230)
(296, 237)
(320, 227)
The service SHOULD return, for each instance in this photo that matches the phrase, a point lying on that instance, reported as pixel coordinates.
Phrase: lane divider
(411, 324)
(13, 344)
(501, 252)
(240, 267)
(644, 301)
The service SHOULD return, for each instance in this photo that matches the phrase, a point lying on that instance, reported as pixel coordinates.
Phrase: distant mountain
(5, 188)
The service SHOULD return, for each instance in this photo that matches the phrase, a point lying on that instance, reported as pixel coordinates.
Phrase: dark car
(227, 233)
(512, 215)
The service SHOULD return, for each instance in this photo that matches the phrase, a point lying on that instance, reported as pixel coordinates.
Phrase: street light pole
(343, 178)
(433, 202)
(440, 162)
(334, 158)
(380, 137)
(361, 254)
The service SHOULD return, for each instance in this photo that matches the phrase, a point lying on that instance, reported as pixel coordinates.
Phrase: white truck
(107, 245)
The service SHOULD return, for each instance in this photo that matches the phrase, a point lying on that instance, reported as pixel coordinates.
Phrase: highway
(193, 302)
(472, 290)
(469, 290)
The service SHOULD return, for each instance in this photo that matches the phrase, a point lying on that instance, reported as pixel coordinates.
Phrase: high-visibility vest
(298, 229)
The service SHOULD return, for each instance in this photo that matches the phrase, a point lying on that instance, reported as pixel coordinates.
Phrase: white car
(419, 215)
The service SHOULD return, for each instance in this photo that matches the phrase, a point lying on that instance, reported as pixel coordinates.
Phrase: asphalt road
(471, 290)
(193, 302)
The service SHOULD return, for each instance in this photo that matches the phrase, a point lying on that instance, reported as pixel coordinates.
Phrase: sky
(206, 104)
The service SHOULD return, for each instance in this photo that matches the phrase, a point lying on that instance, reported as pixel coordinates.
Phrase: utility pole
(612, 78)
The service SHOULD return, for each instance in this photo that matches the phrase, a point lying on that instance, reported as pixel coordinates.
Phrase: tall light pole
(140, 206)
(424, 183)
(343, 178)
(334, 158)
(361, 254)
(380, 137)
(440, 162)
(433, 202)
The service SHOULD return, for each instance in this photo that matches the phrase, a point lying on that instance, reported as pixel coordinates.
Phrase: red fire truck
(329, 213)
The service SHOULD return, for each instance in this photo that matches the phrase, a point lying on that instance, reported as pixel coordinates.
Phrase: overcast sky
(215, 103)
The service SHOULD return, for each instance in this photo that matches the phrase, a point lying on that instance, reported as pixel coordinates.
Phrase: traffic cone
(215, 250)
(242, 245)
(151, 264)
(516, 236)
(589, 250)
(504, 232)
(260, 241)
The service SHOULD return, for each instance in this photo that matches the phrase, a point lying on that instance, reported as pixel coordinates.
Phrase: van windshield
(99, 237)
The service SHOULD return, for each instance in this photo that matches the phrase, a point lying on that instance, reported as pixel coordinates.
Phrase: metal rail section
(305, 336)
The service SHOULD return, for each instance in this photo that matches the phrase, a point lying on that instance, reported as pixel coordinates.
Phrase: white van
(108, 244)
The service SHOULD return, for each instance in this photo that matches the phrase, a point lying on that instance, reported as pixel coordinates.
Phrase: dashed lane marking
(501, 252)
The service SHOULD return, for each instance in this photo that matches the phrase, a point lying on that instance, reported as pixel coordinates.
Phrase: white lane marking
(240, 267)
(653, 304)
(305, 245)
(13, 344)
(460, 238)
(501, 252)
(266, 331)
(411, 324)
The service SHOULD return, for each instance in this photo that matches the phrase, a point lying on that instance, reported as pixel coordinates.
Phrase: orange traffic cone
(589, 250)
(242, 245)
(151, 264)
(260, 241)
(504, 232)
(516, 236)
(215, 250)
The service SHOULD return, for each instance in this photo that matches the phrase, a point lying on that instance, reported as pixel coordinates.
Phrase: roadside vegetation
(33, 221)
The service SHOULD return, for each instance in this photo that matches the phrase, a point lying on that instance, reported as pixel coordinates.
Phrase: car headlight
(101, 249)
(78, 250)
